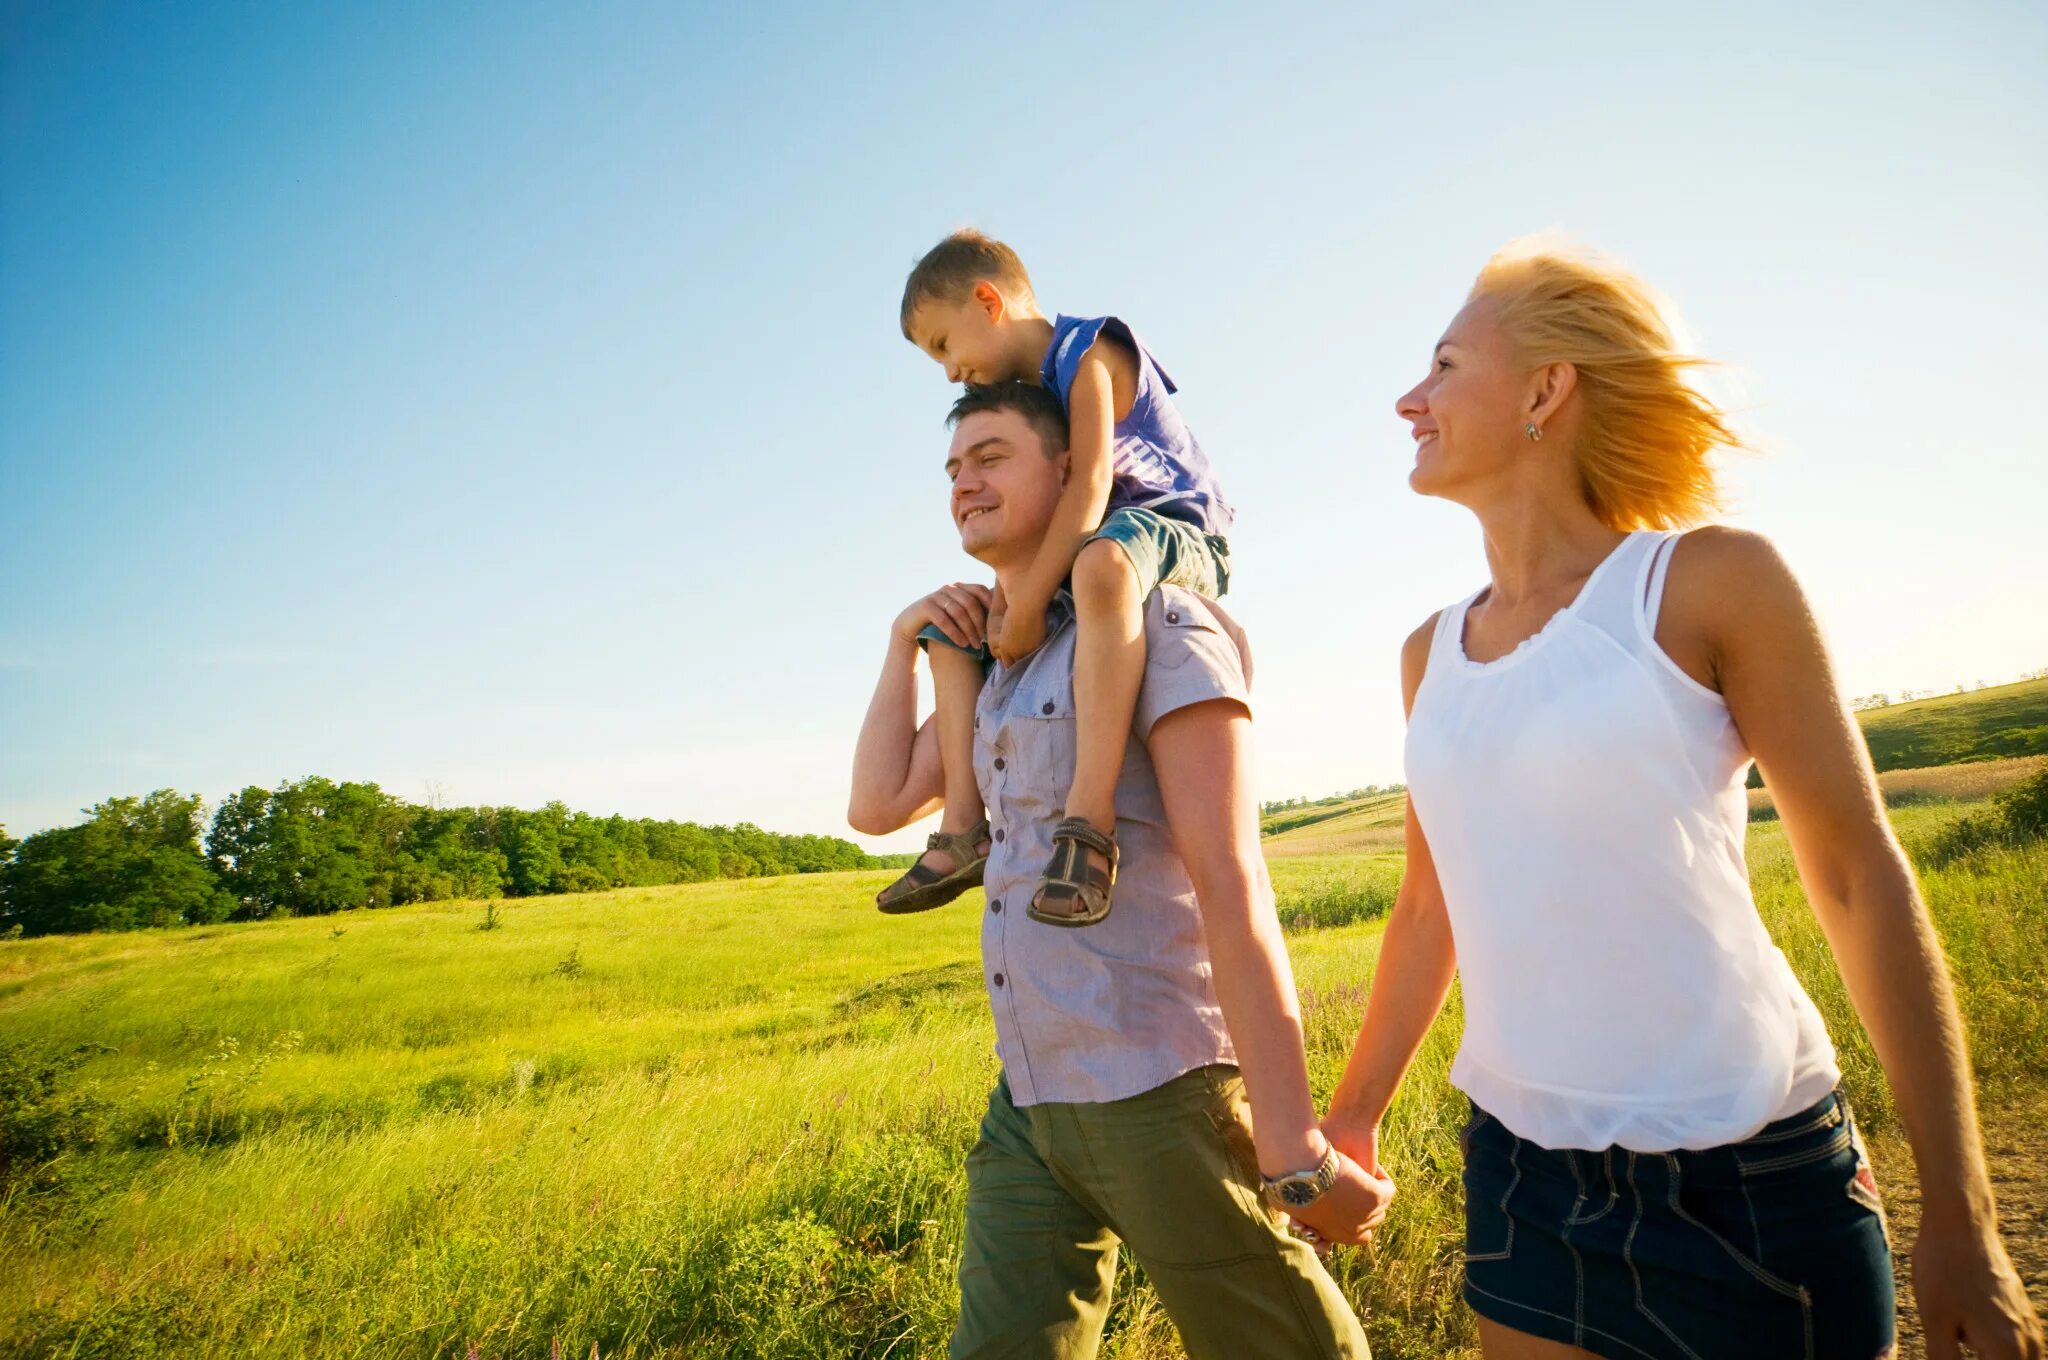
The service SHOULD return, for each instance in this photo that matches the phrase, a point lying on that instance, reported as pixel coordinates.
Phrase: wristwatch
(1299, 1189)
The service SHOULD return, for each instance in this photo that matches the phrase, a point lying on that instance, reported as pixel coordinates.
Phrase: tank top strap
(1652, 596)
(1611, 602)
(1445, 649)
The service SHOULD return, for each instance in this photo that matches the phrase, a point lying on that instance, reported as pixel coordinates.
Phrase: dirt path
(2016, 1140)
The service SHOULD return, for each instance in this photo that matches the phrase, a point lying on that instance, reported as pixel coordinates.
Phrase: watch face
(1298, 1193)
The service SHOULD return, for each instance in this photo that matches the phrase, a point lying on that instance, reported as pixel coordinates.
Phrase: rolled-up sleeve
(1189, 659)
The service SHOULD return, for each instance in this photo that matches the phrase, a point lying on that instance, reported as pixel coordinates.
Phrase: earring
(1531, 429)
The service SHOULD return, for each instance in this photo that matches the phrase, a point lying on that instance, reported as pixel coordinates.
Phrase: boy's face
(971, 337)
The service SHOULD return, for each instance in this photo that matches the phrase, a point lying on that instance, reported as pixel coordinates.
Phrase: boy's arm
(897, 775)
(1105, 386)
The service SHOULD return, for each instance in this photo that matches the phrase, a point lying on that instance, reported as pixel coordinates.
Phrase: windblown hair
(1646, 449)
(1039, 407)
(950, 269)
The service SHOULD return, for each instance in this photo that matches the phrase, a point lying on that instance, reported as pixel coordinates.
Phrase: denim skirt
(1771, 1247)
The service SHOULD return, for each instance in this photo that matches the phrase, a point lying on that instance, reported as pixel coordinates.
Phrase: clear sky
(506, 400)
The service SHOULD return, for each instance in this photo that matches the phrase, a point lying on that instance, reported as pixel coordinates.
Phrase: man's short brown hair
(950, 269)
(1039, 407)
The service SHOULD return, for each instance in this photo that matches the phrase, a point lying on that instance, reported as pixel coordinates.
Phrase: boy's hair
(1039, 407)
(950, 269)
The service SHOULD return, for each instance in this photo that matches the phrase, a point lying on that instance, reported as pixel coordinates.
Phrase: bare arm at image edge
(1736, 617)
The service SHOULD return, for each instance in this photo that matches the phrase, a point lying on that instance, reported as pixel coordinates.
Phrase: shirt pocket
(1187, 630)
(1044, 746)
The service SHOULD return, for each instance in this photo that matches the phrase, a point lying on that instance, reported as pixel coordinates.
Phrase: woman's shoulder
(1415, 656)
(1726, 588)
(1721, 562)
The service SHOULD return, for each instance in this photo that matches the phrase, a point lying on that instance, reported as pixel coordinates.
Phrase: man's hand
(960, 611)
(1351, 1208)
(1969, 1292)
(1023, 629)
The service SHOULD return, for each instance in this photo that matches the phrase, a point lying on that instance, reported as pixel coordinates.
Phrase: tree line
(315, 846)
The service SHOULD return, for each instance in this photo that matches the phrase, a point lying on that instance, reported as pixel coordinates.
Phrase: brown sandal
(1080, 893)
(921, 888)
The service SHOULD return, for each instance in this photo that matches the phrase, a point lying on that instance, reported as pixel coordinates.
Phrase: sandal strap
(965, 846)
(1083, 831)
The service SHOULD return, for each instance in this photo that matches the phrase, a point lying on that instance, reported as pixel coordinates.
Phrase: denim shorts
(1771, 1247)
(1163, 552)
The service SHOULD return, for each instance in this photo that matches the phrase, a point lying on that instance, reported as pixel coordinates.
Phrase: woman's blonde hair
(1648, 435)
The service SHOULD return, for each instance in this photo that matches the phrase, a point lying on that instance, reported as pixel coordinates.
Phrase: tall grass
(736, 1129)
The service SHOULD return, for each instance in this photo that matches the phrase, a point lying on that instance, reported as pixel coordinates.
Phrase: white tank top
(1583, 800)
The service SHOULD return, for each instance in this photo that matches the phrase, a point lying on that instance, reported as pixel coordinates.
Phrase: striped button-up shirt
(1114, 1009)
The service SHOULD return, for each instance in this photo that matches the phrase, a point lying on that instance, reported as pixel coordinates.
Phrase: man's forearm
(1255, 986)
(1203, 758)
(888, 736)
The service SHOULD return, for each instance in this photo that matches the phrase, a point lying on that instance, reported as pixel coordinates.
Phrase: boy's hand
(1022, 631)
(960, 611)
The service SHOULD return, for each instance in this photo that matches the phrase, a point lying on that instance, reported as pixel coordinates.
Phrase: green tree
(135, 863)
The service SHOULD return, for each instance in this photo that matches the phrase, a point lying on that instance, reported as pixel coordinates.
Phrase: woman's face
(1468, 414)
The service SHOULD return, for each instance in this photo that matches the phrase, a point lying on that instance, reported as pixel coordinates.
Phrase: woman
(1658, 1163)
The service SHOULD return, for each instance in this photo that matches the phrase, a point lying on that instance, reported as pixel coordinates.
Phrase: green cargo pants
(1052, 1189)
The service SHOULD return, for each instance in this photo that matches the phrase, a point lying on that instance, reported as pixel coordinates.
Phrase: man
(1120, 1114)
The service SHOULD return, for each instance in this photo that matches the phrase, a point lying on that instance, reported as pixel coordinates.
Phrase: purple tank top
(1157, 463)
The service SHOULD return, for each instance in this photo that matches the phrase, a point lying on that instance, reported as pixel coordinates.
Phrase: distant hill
(1984, 724)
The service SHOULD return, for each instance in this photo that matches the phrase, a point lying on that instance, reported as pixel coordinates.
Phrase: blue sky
(506, 402)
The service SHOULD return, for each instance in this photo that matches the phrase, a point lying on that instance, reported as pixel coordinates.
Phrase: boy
(1140, 508)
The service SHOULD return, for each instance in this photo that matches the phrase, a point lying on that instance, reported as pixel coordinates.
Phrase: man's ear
(990, 299)
(1064, 461)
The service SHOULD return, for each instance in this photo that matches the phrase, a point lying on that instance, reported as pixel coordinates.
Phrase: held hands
(1350, 1209)
(960, 611)
(1969, 1292)
(1358, 1141)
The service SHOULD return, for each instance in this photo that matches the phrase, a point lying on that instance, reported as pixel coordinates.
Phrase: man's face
(1004, 486)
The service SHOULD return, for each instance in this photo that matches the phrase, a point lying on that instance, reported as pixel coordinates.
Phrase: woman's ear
(1553, 384)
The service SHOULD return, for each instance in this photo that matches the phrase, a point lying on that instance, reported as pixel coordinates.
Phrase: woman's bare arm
(1735, 618)
(1417, 961)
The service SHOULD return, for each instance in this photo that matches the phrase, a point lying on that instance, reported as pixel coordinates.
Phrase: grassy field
(722, 1120)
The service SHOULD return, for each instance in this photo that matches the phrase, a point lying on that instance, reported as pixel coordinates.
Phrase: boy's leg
(1036, 1267)
(948, 869)
(956, 685)
(1175, 1174)
(1109, 666)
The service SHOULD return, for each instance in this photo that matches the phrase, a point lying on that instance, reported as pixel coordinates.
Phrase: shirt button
(996, 905)
(999, 835)
(998, 979)
(1048, 707)
(999, 762)
(1172, 617)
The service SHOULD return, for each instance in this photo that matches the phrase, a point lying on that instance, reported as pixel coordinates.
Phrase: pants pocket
(1492, 1175)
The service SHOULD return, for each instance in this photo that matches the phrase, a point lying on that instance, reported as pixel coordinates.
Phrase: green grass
(733, 1128)
(1985, 724)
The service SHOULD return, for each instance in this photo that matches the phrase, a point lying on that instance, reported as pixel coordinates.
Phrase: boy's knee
(1104, 570)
